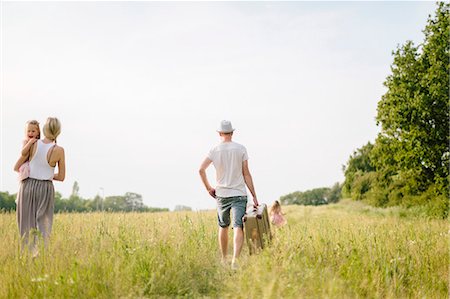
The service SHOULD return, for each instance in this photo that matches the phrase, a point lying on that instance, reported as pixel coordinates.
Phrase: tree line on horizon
(313, 197)
(408, 163)
(129, 202)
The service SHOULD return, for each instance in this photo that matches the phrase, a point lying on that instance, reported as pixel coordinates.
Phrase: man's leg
(223, 241)
(238, 241)
(223, 218)
(238, 209)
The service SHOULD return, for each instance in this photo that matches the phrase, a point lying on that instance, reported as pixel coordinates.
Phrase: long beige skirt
(35, 204)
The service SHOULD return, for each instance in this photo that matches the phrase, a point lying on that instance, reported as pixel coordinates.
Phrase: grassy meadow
(345, 250)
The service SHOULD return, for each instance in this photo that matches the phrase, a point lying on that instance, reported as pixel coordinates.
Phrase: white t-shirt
(227, 158)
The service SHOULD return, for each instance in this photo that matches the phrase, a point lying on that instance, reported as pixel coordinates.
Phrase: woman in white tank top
(36, 196)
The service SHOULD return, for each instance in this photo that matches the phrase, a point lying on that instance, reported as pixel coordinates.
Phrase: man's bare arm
(204, 178)
(249, 181)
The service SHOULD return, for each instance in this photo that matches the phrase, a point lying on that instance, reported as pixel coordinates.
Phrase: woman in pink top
(276, 216)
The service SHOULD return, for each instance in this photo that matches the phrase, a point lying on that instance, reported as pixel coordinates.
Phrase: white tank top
(39, 168)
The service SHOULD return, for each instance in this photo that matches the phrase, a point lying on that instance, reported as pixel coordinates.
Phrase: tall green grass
(347, 250)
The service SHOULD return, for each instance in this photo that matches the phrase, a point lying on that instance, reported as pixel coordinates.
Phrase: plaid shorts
(236, 204)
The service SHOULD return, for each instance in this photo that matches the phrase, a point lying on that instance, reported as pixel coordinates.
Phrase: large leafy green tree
(413, 146)
(410, 157)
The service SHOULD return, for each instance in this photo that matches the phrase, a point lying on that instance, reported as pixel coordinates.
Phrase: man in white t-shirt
(230, 160)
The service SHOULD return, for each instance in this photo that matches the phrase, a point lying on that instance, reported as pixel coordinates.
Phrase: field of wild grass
(346, 250)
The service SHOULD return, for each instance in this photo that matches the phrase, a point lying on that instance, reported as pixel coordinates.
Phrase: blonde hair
(34, 123)
(275, 208)
(52, 128)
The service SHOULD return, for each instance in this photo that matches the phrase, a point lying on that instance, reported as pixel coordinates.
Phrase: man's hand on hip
(212, 192)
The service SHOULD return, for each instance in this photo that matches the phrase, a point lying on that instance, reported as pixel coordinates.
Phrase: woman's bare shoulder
(59, 149)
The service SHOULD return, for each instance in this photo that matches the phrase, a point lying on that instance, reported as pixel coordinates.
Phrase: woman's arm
(19, 162)
(27, 146)
(25, 154)
(61, 175)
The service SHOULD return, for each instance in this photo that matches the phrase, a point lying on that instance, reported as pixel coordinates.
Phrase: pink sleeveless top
(278, 219)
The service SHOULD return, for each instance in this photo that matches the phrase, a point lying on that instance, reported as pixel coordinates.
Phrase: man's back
(227, 158)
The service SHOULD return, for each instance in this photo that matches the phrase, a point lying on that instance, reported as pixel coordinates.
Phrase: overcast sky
(140, 88)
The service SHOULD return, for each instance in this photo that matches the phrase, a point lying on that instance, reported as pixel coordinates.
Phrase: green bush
(377, 196)
(431, 203)
(362, 183)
